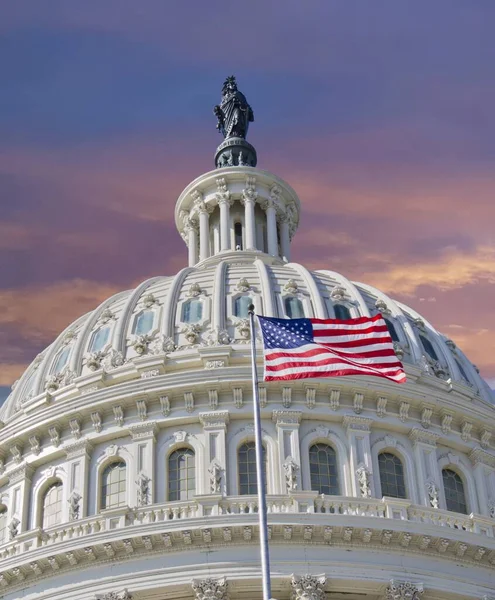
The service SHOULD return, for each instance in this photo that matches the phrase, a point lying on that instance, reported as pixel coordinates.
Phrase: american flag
(299, 348)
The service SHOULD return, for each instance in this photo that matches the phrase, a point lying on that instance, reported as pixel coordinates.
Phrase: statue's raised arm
(233, 113)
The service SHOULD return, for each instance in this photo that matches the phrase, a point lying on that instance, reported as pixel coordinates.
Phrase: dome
(176, 323)
(127, 467)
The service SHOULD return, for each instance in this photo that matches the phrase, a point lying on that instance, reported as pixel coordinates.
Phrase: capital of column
(481, 456)
(404, 590)
(214, 420)
(249, 193)
(352, 422)
(222, 194)
(23, 472)
(287, 417)
(308, 587)
(419, 436)
(80, 448)
(208, 589)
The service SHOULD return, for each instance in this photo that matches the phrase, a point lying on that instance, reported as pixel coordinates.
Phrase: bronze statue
(234, 113)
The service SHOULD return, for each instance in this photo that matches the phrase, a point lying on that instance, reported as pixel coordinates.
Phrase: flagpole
(260, 472)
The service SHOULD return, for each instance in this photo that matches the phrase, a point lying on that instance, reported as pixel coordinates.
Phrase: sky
(380, 115)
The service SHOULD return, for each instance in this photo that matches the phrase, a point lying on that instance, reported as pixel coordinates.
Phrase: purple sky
(379, 114)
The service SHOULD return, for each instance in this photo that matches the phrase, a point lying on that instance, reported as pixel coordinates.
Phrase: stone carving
(399, 351)
(74, 507)
(192, 332)
(491, 508)
(113, 359)
(403, 591)
(432, 489)
(143, 489)
(215, 472)
(123, 595)
(194, 290)
(149, 300)
(291, 468)
(14, 528)
(140, 343)
(243, 285)
(381, 306)
(243, 328)
(337, 294)
(94, 360)
(53, 382)
(210, 589)
(364, 480)
(218, 337)
(308, 587)
(291, 287)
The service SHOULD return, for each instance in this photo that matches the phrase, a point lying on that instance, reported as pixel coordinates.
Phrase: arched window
(241, 305)
(391, 330)
(341, 312)
(454, 492)
(323, 469)
(99, 339)
(113, 485)
(238, 236)
(246, 462)
(192, 311)
(461, 370)
(181, 474)
(3, 524)
(52, 505)
(61, 360)
(428, 347)
(391, 475)
(143, 322)
(293, 308)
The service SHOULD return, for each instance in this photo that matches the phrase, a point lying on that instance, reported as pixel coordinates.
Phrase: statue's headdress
(230, 82)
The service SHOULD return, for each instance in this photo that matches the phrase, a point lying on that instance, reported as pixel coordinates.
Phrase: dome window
(144, 322)
(192, 311)
(181, 475)
(52, 506)
(428, 347)
(61, 361)
(294, 308)
(391, 330)
(3, 523)
(246, 462)
(113, 488)
(461, 370)
(241, 306)
(323, 469)
(391, 475)
(99, 339)
(238, 236)
(342, 312)
(455, 497)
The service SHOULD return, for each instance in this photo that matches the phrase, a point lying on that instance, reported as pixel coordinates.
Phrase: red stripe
(321, 350)
(333, 331)
(357, 321)
(330, 361)
(342, 372)
(358, 343)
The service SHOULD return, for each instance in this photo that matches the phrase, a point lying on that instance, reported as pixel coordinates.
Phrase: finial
(233, 117)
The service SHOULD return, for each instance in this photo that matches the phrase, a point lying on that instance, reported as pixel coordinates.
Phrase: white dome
(134, 329)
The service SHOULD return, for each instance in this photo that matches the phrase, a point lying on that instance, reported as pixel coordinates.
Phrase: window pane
(391, 475)
(241, 305)
(100, 338)
(323, 469)
(61, 361)
(182, 475)
(294, 308)
(246, 464)
(391, 330)
(3, 525)
(52, 506)
(342, 312)
(113, 485)
(144, 322)
(428, 347)
(192, 311)
(454, 492)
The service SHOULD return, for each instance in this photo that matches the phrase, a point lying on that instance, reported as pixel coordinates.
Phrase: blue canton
(286, 333)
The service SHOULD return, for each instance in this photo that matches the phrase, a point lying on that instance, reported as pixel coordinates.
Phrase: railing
(216, 506)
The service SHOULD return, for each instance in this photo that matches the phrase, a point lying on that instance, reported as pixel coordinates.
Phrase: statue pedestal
(235, 152)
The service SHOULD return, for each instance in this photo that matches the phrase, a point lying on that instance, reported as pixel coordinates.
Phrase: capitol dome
(126, 447)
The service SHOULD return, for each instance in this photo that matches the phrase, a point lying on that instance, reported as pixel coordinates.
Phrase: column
(249, 195)
(427, 471)
(289, 450)
(20, 484)
(76, 495)
(215, 432)
(204, 232)
(143, 441)
(192, 243)
(224, 204)
(285, 238)
(482, 474)
(358, 436)
(271, 228)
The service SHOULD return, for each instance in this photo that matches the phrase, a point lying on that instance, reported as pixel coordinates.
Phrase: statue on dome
(233, 113)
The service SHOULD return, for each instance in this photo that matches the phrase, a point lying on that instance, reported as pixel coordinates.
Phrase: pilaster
(288, 422)
(215, 432)
(358, 436)
(143, 437)
(78, 464)
(427, 472)
(20, 487)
